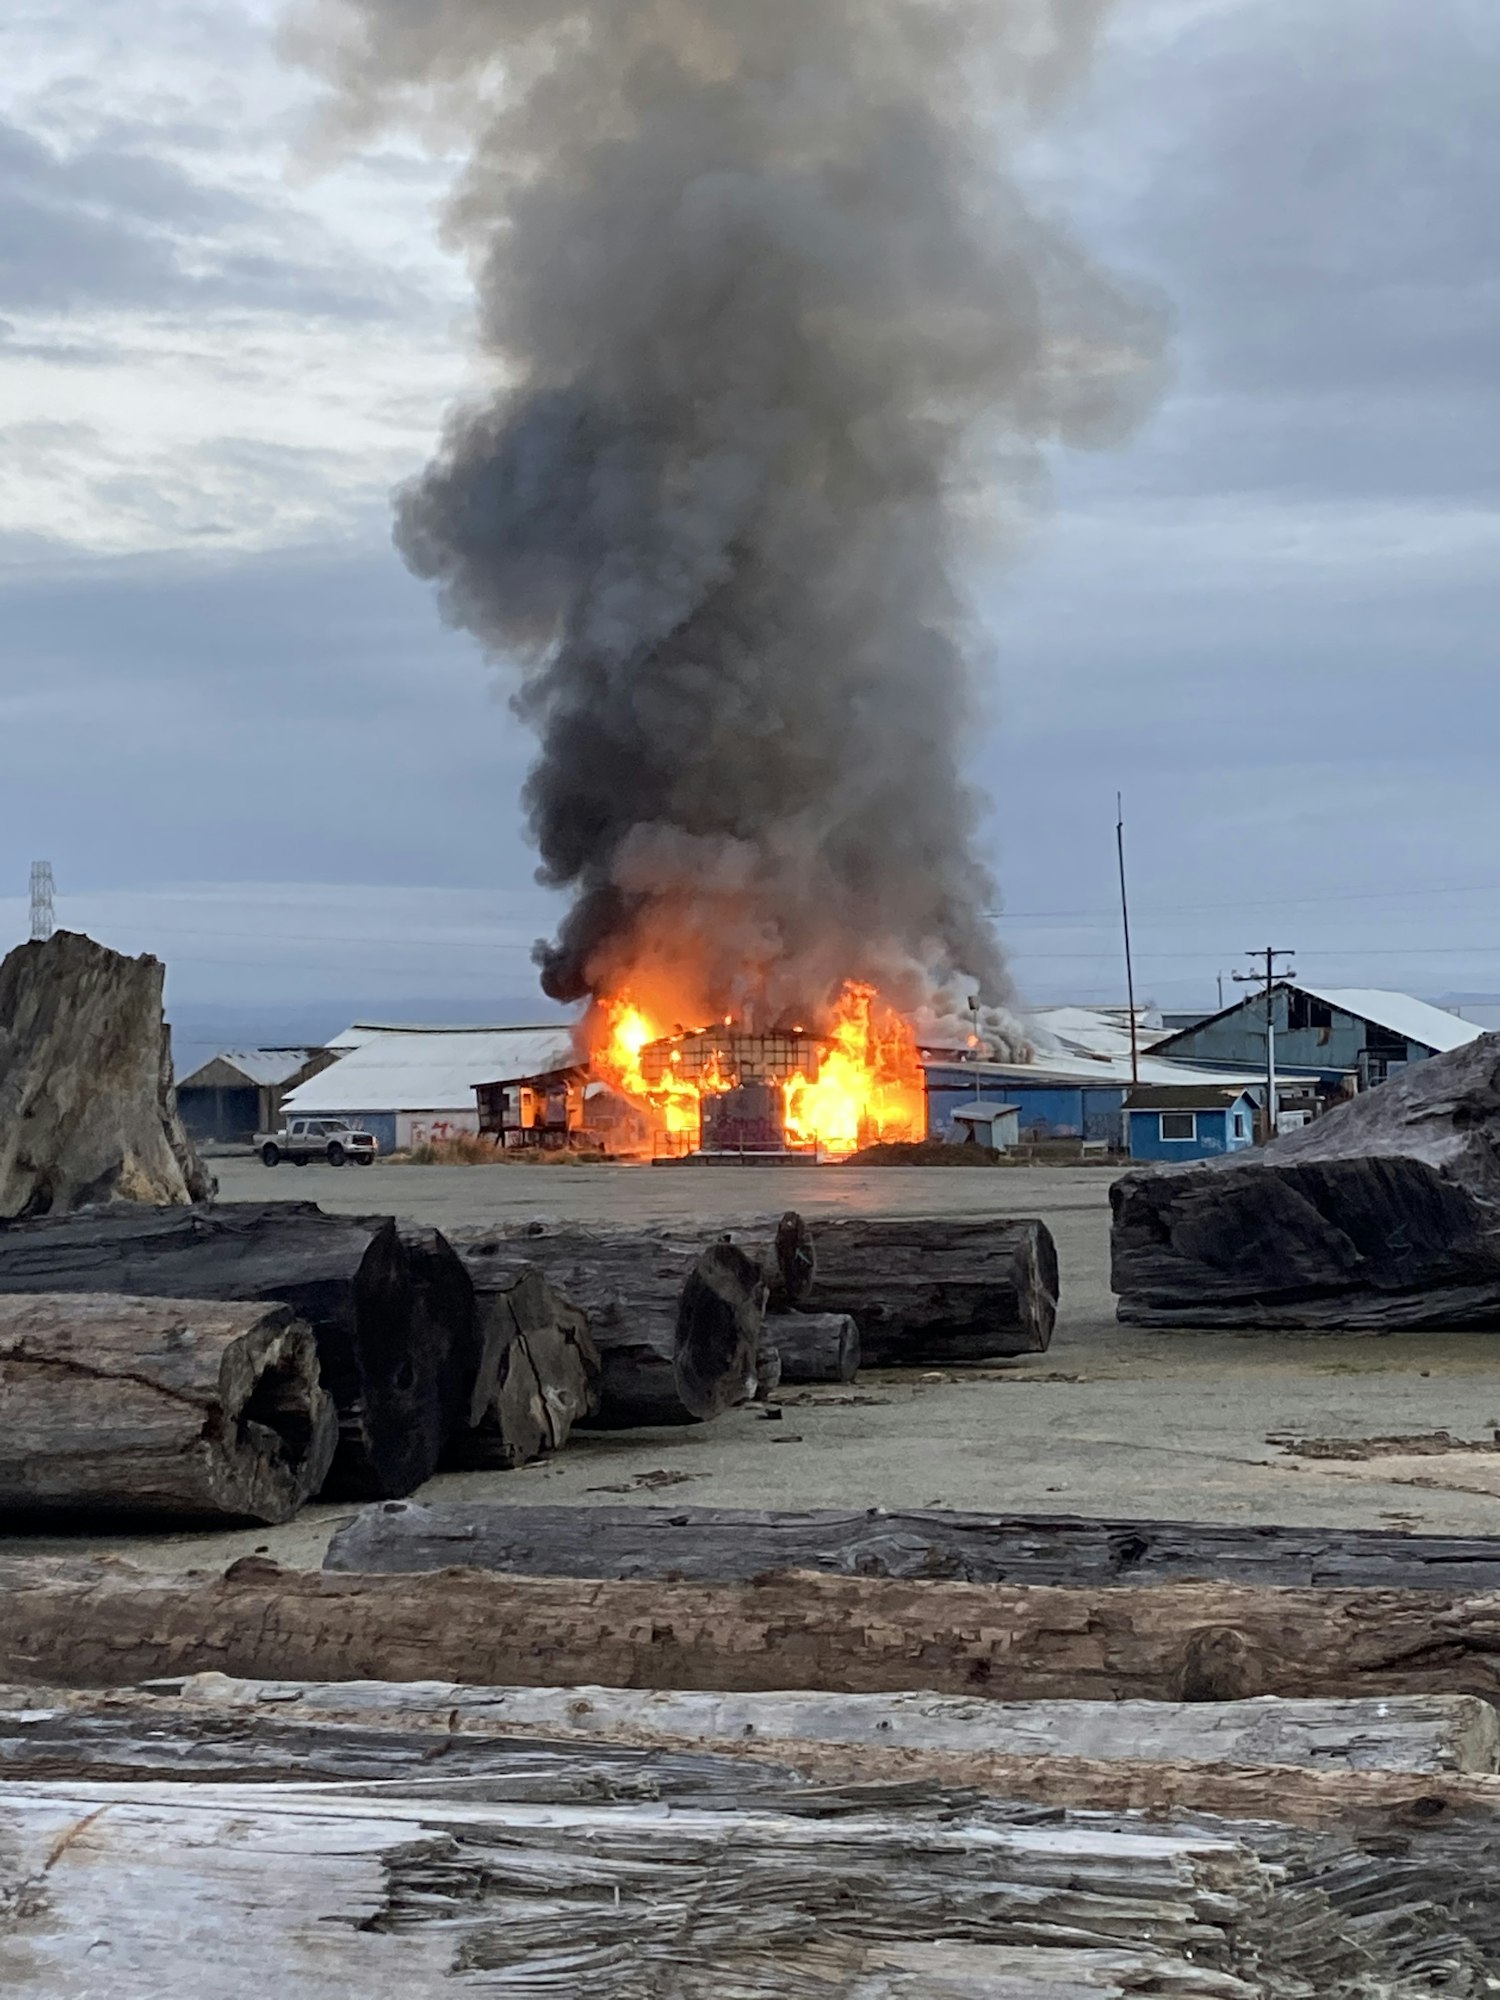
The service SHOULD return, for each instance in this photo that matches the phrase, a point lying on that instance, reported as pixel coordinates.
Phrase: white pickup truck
(304, 1139)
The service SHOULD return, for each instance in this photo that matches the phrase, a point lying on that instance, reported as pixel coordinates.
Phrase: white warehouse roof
(429, 1069)
(1417, 1020)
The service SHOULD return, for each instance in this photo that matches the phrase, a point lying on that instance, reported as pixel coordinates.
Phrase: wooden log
(1417, 1842)
(815, 1347)
(221, 1732)
(317, 1891)
(393, 1315)
(106, 1624)
(670, 1335)
(1408, 1733)
(1376, 1217)
(929, 1292)
(159, 1407)
(726, 1545)
(87, 1109)
(538, 1373)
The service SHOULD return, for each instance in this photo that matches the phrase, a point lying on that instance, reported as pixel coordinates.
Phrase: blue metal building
(1050, 1107)
(1190, 1121)
(1327, 1033)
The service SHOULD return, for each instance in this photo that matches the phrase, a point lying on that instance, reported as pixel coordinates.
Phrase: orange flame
(869, 1088)
(865, 1087)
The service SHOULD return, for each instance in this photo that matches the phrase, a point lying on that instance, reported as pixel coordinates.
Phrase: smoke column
(778, 341)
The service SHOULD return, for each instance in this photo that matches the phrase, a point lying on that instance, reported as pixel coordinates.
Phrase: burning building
(729, 1089)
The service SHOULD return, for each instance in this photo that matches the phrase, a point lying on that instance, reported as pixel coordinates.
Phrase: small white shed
(997, 1126)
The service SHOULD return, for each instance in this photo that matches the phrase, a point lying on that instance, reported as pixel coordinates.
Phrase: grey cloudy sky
(239, 731)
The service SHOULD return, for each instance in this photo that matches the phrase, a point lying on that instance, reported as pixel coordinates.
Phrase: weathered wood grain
(538, 1373)
(935, 1290)
(159, 1407)
(105, 1623)
(735, 1545)
(392, 1312)
(1399, 1853)
(317, 1891)
(1410, 1733)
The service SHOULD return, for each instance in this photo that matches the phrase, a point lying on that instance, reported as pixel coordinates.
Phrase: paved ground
(1110, 1422)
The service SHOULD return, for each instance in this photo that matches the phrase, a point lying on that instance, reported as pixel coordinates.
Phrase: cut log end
(815, 1347)
(151, 1407)
(720, 1332)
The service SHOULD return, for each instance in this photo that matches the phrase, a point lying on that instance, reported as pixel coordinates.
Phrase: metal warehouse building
(241, 1091)
(1329, 1032)
(416, 1086)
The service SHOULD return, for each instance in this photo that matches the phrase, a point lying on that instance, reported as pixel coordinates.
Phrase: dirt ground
(1110, 1422)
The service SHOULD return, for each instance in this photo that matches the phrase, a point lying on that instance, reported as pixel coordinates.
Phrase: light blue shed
(1190, 1121)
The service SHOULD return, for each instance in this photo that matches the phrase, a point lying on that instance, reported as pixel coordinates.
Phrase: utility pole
(43, 918)
(1135, 1040)
(1271, 954)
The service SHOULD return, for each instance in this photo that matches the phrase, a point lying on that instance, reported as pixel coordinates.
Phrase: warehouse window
(1179, 1125)
(1302, 1012)
(1241, 1129)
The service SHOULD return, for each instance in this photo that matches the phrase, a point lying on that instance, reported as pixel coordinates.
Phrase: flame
(869, 1088)
(865, 1087)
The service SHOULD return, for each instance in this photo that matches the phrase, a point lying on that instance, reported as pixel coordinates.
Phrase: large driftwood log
(727, 1545)
(538, 1374)
(318, 1891)
(154, 1406)
(393, 1315)
(933, 1291)
(87, 1110)
(671, 1331)
(1408, 1733)
(106, 1624)
(1380, 1215)
(1412, 1844)
(815, 1347)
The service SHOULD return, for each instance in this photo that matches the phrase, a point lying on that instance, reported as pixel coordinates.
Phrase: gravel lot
(1111, 1422)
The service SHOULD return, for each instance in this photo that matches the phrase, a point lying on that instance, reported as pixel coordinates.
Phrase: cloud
(1269, 620)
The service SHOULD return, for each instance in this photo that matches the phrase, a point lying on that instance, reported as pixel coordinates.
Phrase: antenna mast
(43, 916)
(1135, 1041)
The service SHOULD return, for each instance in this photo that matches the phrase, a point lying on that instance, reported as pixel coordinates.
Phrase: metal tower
(43, 917)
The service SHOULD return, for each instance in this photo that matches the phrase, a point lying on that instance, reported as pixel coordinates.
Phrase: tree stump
(393, 1316)
(133, 1406)
(87, 1109)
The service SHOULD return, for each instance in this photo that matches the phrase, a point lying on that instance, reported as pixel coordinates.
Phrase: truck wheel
(364, 1159)
(270, 1155)
(336, 1155)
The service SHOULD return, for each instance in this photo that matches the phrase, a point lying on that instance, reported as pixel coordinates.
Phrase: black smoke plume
(779, 343)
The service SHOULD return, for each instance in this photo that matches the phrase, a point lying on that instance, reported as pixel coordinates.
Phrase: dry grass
(478, 1149)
